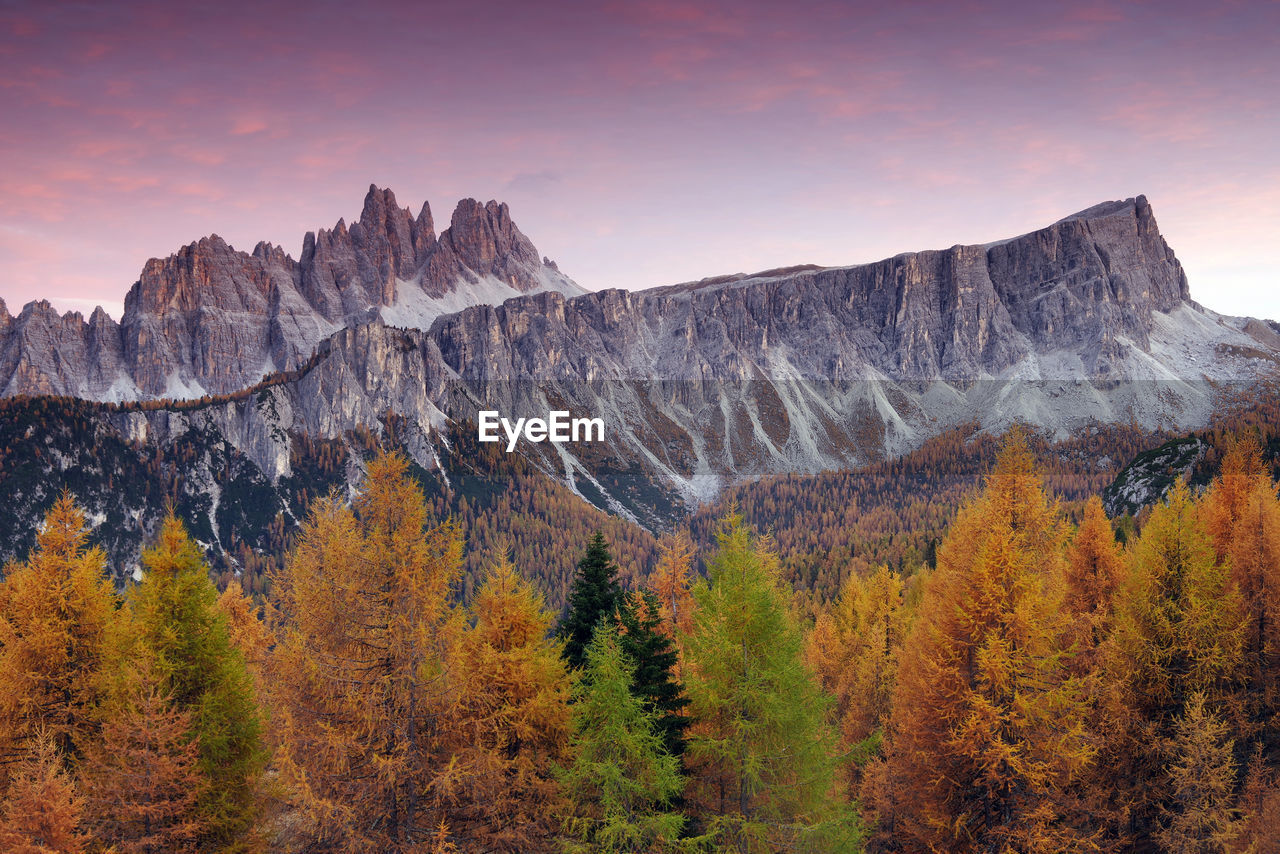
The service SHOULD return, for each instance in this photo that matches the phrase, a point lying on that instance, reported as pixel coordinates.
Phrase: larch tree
(174, 619)
(988, 728)
(595, 595)
(249, 634)
(672, 582)
(510, 727)
(1259, 804)
(42, 813)
(1094, 569)
(854, 649)
(142, 781)
(761, 754)
(622, 779)
(1178, 630)
(1242, 517)
(1201, 817)
(55, 610)
(361, 693)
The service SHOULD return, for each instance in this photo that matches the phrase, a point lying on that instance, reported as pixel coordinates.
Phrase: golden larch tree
(672, 582)
(42, 812)
(54, 612)
(362, 698)
(1242, 516)
(988, 729)
(1178, 630)
(1201, 817)
(142, 781)
(854, 650)
(249, 634)
(511, 724)
(1094, 569)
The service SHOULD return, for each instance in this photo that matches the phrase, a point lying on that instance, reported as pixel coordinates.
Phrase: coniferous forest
(1045, 682)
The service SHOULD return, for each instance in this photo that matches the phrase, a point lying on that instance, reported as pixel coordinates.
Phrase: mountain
(701, 385)
(210, 319)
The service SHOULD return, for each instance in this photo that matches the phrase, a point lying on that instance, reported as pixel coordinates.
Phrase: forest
(1044, 679)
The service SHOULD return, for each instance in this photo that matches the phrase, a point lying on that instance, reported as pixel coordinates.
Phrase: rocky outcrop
(210, 319)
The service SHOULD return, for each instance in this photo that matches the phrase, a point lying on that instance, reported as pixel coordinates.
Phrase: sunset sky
(638, 143)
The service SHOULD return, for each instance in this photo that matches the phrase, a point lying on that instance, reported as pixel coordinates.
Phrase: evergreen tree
(359, 667)
(761, 750)
(176, 622)
(511, 723)
(622, 775)
(142, 781)
(595, 595)
(54, 613)
(654, 661)
(987, 733)
(42, 812)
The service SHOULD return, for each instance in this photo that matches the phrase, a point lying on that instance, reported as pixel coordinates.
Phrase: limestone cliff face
(212, 319)
(798, 370)
(700, 384)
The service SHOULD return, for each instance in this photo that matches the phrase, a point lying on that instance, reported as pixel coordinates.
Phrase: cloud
(533, 182)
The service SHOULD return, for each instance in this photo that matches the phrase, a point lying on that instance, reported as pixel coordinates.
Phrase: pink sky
(638, 143)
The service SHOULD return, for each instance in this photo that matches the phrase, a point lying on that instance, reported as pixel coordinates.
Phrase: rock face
(211, 319)
(700, 384)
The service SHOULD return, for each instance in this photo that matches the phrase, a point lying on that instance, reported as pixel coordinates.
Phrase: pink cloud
(246, 125)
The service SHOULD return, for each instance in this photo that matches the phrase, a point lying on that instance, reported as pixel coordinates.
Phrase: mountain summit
(210, 319)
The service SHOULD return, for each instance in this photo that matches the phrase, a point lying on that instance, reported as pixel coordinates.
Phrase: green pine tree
(174, 618)
(622, 776)
(654, 657)
(595, 594)
(762, 748)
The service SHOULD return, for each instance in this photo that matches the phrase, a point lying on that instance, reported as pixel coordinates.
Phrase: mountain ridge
(212, 319)
(796, 370)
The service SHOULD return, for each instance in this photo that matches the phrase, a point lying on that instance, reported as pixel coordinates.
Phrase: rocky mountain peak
(483, 242)
(210, 318)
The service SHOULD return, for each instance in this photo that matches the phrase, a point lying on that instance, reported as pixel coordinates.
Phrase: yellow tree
(1178, 630)
(672, 582)
(1201, 817)
(54, 612)
(249, 634)
(42, 811)
(1094, 569)
(1242, 517)
(142, 780)
(511, 725)
(987, 733)
(359, 667)
(854, 650)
